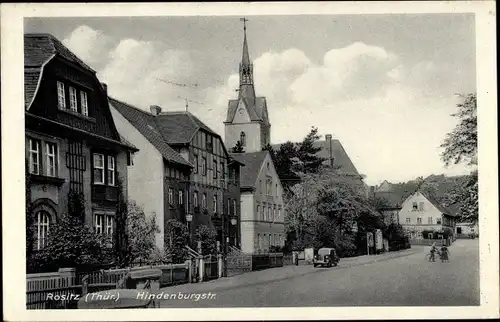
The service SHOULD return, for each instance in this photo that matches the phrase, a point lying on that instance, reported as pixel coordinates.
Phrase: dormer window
(73, 103)
(61, 95)
(77, 101)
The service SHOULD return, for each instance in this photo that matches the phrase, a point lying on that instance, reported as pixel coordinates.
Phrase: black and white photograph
(251, 157)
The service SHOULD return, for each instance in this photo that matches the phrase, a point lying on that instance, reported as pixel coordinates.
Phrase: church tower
(247, 118)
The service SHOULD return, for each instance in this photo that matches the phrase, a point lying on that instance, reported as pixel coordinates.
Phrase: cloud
(89, 44)
(390, 116)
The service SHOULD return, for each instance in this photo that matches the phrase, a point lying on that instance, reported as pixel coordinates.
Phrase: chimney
(328, 138)
(105, 88)
(155, 109)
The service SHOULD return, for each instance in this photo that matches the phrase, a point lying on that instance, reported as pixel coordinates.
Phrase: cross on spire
(244, 23)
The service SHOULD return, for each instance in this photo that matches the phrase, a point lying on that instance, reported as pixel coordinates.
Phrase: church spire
(247, 90)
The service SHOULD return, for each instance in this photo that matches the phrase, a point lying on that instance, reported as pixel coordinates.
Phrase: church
(247, 122)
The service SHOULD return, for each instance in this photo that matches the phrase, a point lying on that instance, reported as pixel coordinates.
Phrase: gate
(211, 268)
(238, 264)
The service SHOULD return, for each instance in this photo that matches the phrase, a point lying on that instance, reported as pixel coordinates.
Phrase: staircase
(234, 251)
(192, 253)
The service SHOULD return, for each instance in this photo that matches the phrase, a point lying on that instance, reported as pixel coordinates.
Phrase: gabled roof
(253, 163)
(180, 127)
(39, 49)
(145, 123)
(436, 204)
(394, 199)
(256, 110)
(341, 159)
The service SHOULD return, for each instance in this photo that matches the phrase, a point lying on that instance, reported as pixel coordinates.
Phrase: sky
(384, 85)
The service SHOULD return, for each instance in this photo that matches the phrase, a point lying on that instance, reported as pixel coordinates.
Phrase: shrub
(176, 239)
(208, 237)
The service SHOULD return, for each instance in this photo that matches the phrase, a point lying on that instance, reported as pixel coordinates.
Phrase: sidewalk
(280, 273)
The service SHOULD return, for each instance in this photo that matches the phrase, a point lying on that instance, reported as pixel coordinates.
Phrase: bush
(346, 246)
(176, 239)
(208, 237)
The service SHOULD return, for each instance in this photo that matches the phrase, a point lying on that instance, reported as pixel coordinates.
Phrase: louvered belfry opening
(75, 161)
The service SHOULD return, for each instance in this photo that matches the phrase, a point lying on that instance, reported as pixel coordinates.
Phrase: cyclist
(433, 252)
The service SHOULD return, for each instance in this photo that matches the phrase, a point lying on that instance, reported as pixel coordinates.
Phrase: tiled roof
(439, 206)
(340, 157)
(394, 199)
(38, 50)
(145, 123)
(253, 163)
(180, 127)
(255, 111)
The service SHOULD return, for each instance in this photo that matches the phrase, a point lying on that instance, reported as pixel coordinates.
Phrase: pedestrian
(444, 253)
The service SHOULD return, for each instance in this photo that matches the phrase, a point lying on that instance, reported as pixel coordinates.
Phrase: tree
(307, 152)
(460, 145)
(121, 240)
(208, 237)
(141, 232)
(238, 148)
(176, 239)
(284, 164)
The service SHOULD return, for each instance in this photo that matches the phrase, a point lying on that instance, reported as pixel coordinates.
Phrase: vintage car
(326, 257)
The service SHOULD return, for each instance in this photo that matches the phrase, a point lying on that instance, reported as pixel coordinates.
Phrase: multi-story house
(262, 215)
(420, 212)
(181, 171)
(72, 143)
(263, 211)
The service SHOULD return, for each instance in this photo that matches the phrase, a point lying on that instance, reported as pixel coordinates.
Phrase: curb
(245, 285)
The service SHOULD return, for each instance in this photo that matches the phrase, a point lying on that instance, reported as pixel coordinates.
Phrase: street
(404, 279)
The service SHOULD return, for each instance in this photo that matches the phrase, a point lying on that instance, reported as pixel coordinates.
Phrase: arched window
(242, 138)
(42, 222)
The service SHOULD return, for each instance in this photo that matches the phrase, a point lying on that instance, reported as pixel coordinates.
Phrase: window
(223, 171)
(50, 150)
(459, 230)
(269, 184)
(181, 197)
(258, 242)
(274, 213)
(171, 196)
(276, 190)
(42, 229)
(111, 170)
(420, 206)
(279, 213)
(109, 225)
(261, 187)
(99, 223)
(438, 221)
(98, 168)
(61, 95)
(214, 168)
(215, 203)
(234, 207)
(242, 139)
(104, 224)
(34, 155)
(73, 104)
(415, 206)
(429, 220)
(195, 198)
(258, 211)
(419, 220)
(195, 157)
(268, 166)
(408, 220)
(204, 166)
(233, 175)
(84, 103)
(204, 201)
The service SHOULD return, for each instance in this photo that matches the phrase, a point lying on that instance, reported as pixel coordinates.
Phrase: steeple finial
(246, 57)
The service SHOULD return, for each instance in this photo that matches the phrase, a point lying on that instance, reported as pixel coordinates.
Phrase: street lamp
(233, 223)
(189, 218)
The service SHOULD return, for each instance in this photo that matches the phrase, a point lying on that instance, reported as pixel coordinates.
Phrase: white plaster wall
(145, 177)
(252, 135)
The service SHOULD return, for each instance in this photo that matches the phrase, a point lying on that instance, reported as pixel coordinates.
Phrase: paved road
(402, 281)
